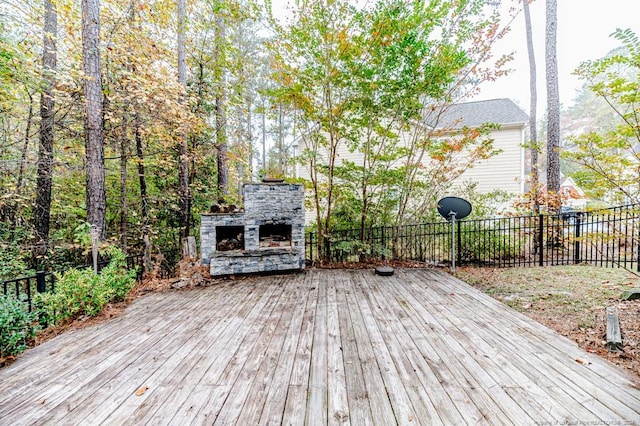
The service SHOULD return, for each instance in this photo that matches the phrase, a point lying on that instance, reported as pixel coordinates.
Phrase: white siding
(503, 171)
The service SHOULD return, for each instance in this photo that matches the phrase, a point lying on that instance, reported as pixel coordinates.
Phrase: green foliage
(366, 80)
(606, 156)
(483, 244)
(15, 258)
(487, 204)
(17, 326)
(83, 292)
(14, 262)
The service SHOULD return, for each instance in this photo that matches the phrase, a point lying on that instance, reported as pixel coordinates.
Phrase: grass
(578, 286)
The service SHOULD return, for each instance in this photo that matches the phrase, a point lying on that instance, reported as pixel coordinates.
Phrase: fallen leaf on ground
(141, 390)
(583, 361)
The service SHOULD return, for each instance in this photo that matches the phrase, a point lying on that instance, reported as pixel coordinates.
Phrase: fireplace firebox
(275, 236)
(229, 238)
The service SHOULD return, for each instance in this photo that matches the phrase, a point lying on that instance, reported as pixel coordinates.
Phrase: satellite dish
(454, 206)
(452, 209)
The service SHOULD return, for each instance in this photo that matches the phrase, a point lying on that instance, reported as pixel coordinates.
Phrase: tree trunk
(533, 105)
(221, 135)
(27, 141)
(250, 147)
(93, 127)
(123, 189)
(553, 100)
(42, 212)
(264, 138)
(183, 145)
(143, 195)
(280, 141)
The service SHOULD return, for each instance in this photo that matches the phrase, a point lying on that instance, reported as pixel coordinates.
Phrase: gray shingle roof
(472, 114)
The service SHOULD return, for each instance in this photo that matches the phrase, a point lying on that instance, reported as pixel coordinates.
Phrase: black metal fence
(24, 288)
(607, 238)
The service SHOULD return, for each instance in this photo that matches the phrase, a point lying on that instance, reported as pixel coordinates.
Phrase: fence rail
(607, 238)
(24, 288)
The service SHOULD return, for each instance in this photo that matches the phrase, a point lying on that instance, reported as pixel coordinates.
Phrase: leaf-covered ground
(571, 300)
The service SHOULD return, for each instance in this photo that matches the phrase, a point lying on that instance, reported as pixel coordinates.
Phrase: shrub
(17, 326)
(83, 292)
(487, 244)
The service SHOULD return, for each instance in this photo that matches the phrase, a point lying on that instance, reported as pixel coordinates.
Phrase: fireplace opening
(275, 236)
(229, 238)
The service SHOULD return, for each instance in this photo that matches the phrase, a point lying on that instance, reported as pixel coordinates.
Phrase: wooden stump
(614, 337)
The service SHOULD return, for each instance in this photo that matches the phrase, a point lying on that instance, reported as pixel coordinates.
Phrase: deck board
(319, 347)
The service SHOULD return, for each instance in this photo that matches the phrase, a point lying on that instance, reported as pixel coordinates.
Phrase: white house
(505, 171)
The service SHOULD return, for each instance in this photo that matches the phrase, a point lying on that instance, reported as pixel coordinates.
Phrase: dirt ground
(571, 300)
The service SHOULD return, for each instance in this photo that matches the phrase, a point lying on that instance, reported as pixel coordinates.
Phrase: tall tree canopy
(377, 80)
(167, 134)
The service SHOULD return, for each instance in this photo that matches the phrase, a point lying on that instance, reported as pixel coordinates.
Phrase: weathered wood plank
(400, 345)
(357, 396)
(169, 371)
(532, 329)
(122, 383)
(438, 374)
(614, 337)
(82, 343)
(523, 384)
(495, 405)
(243, 366)
(557, 357)
(403, 409)
(317, 403)
(412, 344)
(90, 370)
(175, 393)
(264, 376)
(273, 410)
(566, 385)
(319, 347)
(381, 407)
(296, 403)
(337, 406)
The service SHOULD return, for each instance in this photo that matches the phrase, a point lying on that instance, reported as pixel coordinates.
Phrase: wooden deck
(325, 346)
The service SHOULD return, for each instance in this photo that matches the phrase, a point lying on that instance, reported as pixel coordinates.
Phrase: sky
(584, 28)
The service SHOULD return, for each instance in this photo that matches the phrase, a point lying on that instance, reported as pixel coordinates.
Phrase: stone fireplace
(267, 236)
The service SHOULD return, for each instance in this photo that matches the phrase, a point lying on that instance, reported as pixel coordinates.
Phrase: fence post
(459, 238)
(540, 240)
(41, 285)
(576, 241)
